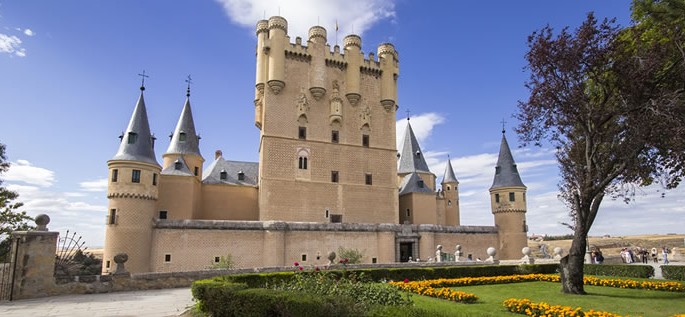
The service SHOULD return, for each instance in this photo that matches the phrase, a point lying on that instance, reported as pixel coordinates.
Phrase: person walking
(665, 252)
(654, 255)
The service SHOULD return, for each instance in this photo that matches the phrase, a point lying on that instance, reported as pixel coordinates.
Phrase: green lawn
(615, 300)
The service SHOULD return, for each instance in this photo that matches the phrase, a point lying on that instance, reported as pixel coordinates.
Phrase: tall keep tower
(183, 169)
(508, 202)
(327, 128)
(132, 192)
(450, 191)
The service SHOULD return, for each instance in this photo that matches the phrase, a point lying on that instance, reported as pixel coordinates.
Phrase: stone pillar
(35, 261)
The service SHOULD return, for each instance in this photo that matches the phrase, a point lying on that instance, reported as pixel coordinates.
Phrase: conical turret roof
(137, 143)
(506, 173)
(185, 140)
(411, 158)
(449, 173)
(412, 183)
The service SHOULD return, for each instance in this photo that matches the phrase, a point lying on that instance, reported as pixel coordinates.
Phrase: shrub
(353, 256)
(640, 271)
(259, 280)
(215, 296)
(225, 262)
(673, 272)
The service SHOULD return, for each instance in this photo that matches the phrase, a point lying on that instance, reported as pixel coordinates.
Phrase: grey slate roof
(142, 148)
(410, 184)
(411, 157)
(184, 170)
(186, 125)
(449, 174)
(506, 173)
(212, 175)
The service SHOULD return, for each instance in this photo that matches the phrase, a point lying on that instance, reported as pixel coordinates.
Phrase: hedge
(673, 272)
(622, 270)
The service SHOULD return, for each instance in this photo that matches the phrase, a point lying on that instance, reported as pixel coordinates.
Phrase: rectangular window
(334, 136)
(334, 176)
(132, 137)
(241, 176)
(112, 218)
(524, 196)
(197, 170)
(182, 136)
(115, 175)
(365, 140)
(302, 163)
(163, 214)
(167, 258)
(303, 258)
(336, 218)
(512, 197)
(374, 260)
(135, 176)
(369, 179)
(497, 198)
(217, 259)
(302, 133)
(107, 264)
(154, 179)
(408, 212)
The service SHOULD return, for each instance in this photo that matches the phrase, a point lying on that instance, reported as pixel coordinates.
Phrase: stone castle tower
(327, 121)
(329, 175)
(133, 192)
(508, 201)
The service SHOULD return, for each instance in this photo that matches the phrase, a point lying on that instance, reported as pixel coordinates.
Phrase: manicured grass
(615, 300)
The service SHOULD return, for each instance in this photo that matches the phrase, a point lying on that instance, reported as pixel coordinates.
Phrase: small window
(112, 218)
(154, 179)
(302, 163)
(369, 179)
(449, 203)
(223, 175)
(107, 264)
(418, 153)
(132, 137)
(408, 212)
(335, 136)
(167, 258)
(514, 169)
(182, 136)
(334, 176)
(525, 226)
(374, 260)
(336, 218)
(448, 187)
(512, 197)
(115, 175)
(497, 198)
(178, 165)
(135, 176)
(327, 213)
(421, 184)
(302, 133)
(197, 171)
(163, 214)
(365, 140)
(497, 170)
(524, 196)
(303, 258)
(241, 176)
(217, 259)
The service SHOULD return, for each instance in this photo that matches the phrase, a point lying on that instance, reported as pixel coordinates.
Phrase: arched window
(302, 163)
(303, 158)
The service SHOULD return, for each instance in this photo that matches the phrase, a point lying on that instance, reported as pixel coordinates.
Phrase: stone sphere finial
(120, 258)
(491, 251)
(526, 251)
(42, 222)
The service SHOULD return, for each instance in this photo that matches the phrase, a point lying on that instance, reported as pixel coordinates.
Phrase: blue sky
(68, 84)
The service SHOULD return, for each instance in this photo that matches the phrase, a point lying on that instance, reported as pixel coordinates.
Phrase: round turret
(277, 22)
(317, 32)
(352, 40)
(387, 48)
(262, 26)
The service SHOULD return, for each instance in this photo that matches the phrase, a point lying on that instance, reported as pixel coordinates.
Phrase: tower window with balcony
(135, 176)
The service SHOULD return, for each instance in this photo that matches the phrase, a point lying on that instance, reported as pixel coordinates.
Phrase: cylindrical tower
(278, 31)
(317, 71)
(353, 45)
(450, 188)
(261, 72)
(390, 67)
(132, 192)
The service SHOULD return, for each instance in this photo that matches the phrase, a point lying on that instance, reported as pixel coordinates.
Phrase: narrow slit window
(512, 197)
(335, 136)
(497, 198)
(154, 179)
(368, 179)
(115, 175)
(334, 176)
(365, 140)
(302, 133)
(135, 176)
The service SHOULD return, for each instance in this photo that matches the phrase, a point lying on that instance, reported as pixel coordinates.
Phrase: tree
(10, 218)
(611, 103)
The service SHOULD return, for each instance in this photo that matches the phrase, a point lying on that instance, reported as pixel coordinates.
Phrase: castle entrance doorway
(406, 251)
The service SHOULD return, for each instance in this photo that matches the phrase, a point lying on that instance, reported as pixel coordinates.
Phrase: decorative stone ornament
(491, 252)
(120, 259)
(457, 254)
(42, 222)
(527, 258)
(317, 92)
(276, 86)
(331, 257)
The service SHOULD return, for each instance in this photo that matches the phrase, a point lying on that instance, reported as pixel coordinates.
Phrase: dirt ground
(611, 246)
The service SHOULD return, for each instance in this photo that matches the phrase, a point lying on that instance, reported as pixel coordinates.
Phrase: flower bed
(528, 308)
(424, 288)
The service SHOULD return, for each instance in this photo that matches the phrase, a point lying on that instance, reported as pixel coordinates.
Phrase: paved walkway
(163, 302)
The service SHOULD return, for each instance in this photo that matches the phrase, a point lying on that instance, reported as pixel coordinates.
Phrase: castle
(329, 175)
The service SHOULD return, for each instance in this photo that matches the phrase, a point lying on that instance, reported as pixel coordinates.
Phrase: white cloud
(421, 124)
(11, 44)
(99, 185)
(23, 171)
(353, 16)
(29, 32)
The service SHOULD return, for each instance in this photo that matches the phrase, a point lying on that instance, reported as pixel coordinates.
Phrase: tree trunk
(572, 266)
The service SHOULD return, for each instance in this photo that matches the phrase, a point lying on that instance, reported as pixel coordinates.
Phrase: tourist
(654, 255)
(665, 252)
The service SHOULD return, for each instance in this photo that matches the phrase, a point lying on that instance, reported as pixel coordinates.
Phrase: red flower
(301, 268)
(296, 264)
(406, 280)
(317, 269)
